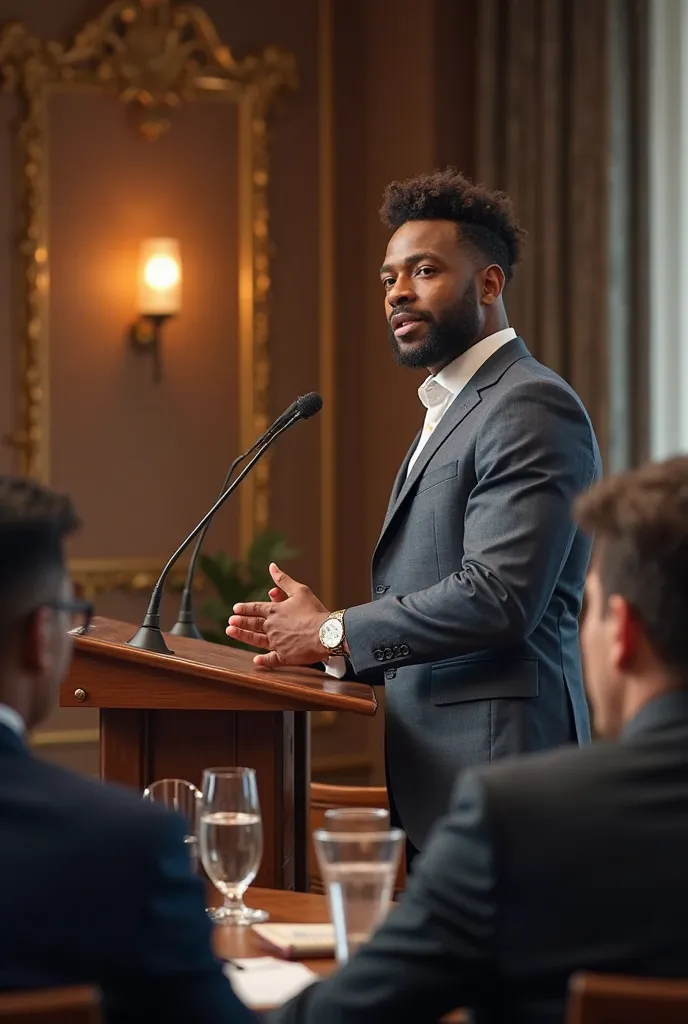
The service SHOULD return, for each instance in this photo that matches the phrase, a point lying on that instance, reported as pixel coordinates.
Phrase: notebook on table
(297, 941)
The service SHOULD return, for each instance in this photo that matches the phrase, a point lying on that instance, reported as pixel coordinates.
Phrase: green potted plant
(236, 581)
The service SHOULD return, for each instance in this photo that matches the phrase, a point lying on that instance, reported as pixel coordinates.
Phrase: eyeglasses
(81, 613)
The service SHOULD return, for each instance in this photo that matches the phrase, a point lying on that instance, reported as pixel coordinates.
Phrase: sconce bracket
(145, 335)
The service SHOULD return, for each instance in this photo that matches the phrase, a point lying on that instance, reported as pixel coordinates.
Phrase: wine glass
(231, 840)
(184, 798)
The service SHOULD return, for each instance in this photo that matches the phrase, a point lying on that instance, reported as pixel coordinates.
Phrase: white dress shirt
(437, 393)
(12, 719)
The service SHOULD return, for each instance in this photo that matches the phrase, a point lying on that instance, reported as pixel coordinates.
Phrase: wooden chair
(615, 999)
(77, 1005)
(324, 796)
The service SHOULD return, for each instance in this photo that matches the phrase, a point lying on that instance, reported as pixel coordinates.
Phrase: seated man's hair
(640, 522)
(34, 522)
(485, 218)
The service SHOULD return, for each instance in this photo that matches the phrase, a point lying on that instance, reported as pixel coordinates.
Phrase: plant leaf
(235, 582)
(224, 574)
(267, 547)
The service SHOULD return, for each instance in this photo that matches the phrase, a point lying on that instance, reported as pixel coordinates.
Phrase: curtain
(560, 127)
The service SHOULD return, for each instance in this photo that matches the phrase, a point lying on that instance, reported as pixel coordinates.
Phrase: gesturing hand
(287, 626)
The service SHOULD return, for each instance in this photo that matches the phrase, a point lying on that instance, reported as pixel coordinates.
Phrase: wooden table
(284, 908)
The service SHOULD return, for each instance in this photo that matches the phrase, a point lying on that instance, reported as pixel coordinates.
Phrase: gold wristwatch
(332, 635)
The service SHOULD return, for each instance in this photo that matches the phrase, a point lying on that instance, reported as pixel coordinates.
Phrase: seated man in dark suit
(561, 861)
(96, 885)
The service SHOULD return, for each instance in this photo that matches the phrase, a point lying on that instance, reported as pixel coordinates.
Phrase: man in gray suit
(566, 860)
(478, 573)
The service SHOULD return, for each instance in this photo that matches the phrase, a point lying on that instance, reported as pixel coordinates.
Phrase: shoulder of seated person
(540, 774)
(97, 802)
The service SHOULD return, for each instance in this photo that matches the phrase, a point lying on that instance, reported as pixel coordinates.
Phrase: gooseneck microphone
(149, 636)
(303, 407)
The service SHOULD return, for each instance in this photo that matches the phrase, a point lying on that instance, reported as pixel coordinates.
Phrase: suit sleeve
(169, 971)
(436, 951)
(535, 454)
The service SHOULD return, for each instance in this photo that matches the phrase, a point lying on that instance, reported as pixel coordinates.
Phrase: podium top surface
(217, 663)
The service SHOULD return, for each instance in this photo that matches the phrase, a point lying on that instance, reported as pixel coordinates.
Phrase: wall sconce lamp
(159, 294)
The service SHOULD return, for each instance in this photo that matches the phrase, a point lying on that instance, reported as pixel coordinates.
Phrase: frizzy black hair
(485, 218)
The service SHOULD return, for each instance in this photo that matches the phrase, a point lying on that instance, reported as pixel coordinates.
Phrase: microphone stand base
(188, 629)
(150, 638)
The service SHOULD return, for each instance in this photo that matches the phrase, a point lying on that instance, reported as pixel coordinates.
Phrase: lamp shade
(159, 277)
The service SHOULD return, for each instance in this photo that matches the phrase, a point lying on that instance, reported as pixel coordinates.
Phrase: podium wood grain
(207, 705)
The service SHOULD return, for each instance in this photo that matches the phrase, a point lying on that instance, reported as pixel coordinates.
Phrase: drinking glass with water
(356, 819)
(184, 798)
(359, 870)
(231, 840)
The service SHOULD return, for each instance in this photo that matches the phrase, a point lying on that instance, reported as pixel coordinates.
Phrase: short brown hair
(34, 522)
(640, 522)
(485, 218)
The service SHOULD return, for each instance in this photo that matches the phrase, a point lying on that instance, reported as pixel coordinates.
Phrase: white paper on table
(266, 981)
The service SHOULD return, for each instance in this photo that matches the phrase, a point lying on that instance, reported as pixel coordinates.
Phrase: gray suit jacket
(552, 863)
(477, 586)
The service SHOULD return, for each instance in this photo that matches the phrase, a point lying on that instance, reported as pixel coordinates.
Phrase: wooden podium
(207, 705)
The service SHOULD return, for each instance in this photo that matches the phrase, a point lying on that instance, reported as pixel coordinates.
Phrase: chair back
(74, 1005)
(617, 999)
(322, 798)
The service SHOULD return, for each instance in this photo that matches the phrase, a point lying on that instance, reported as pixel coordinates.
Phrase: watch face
(331, 633)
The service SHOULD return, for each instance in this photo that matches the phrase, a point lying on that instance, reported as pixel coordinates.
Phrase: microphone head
(308, 405)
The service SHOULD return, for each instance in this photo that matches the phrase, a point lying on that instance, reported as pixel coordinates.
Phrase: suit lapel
(462, 405)
(401, 477)
(489, 374)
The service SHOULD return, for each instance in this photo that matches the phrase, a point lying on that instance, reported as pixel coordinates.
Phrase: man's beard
(453, 333)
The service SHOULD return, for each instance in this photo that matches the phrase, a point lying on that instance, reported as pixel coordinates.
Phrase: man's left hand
(287, 626)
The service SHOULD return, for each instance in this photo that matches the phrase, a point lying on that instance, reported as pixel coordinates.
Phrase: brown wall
(404, 102)
(404, 99)
(403, 82)
(143, 460)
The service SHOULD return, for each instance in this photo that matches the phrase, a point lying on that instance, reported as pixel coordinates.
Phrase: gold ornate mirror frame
(151, 55)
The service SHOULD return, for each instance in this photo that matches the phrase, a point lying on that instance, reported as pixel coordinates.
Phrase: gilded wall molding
(94, 576)
(152, 56)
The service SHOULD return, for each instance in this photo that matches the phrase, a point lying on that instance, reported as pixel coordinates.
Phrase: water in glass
(359, 870)
(359, 897)
(231, 840)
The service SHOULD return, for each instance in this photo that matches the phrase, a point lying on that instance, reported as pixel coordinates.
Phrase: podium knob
(80, 694)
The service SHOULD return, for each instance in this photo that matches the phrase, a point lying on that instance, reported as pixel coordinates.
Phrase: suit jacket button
(388, 653)
(379, 589)
(396, 651)
(379, 655)
(390, 673)
(405, 650)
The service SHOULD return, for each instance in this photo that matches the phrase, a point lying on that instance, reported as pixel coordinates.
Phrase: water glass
(359, 870)
(357, 819)
(184, 798)
(231, 840)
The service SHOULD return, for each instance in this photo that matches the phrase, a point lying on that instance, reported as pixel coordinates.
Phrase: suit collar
(12, 719)
(10, 740)
(489, 374)
(494, 368)
(454, 377)
(661, 712)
